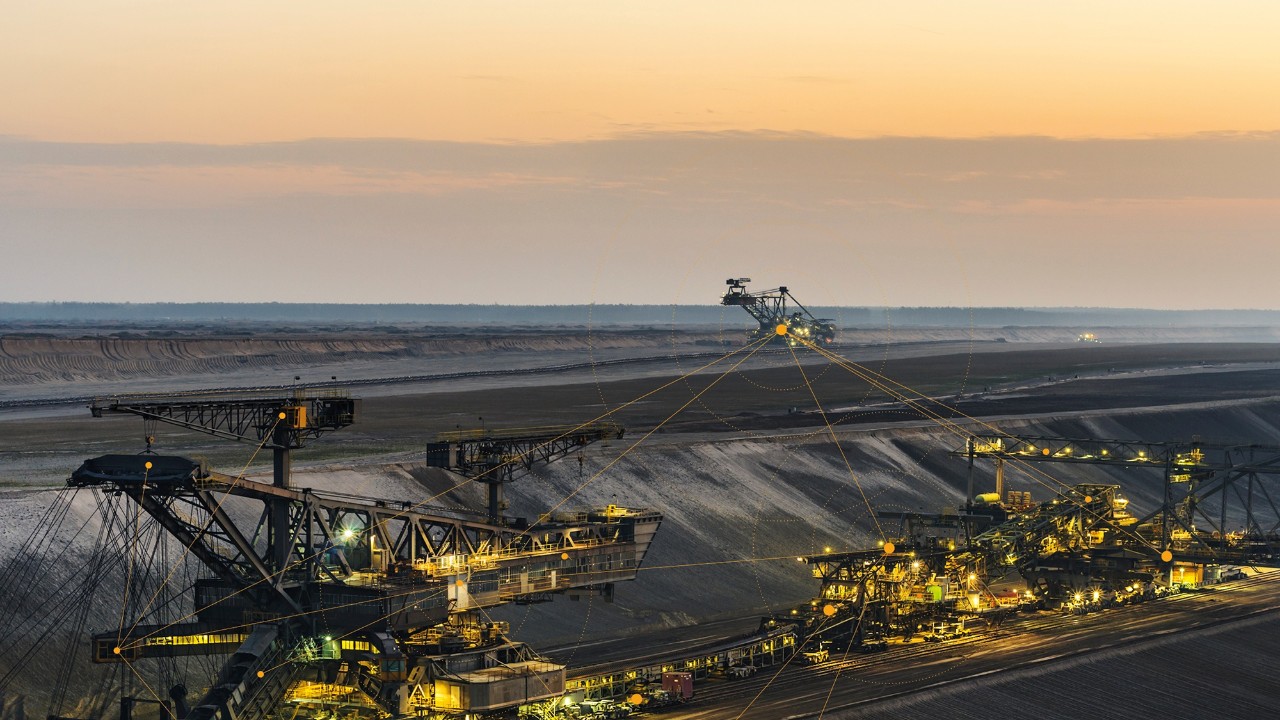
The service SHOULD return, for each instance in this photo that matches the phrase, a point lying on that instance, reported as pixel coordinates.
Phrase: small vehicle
(603, 709)
(740, 671)
(874, 643)
(813, 657)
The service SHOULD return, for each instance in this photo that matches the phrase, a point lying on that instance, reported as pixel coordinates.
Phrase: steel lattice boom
(286, 422)
(377, 571)
(769, 309)
(381, 596)
(498, 456)
(1239, 481)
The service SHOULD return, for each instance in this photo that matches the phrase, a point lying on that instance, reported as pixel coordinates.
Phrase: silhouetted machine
(770, 309)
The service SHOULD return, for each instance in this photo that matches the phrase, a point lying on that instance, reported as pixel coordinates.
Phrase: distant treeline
(579, 315)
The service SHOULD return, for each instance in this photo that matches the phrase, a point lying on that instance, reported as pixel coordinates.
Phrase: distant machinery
(1082, 549)
(770, 310)
(939, 568)
(332, 603)
(1214, 484)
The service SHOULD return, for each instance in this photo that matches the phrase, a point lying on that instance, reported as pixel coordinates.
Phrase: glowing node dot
(1166, 556)
(564, 556)
(1044, 451)
(829, 610)
(115, 650)
(461, 582)
(261, 674)
(636, 699)
(888, 548)
(781, 329)
(1088, 498)
(281, 416)
(147, 464)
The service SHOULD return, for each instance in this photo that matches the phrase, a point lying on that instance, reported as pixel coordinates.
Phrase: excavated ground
(743, 466)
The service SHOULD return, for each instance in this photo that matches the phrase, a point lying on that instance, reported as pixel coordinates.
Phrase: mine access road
(855, 684)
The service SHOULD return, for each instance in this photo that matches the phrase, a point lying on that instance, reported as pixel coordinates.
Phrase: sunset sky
(916, 153)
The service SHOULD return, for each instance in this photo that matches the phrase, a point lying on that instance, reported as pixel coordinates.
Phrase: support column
(282, 467)
(968, 498)
(1000, 478)
(1168, 509)
(495, 501)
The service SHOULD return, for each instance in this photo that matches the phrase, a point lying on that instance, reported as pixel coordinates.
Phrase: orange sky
(234, 71)
(917, 153)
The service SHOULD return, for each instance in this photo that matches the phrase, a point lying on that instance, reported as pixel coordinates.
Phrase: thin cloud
(881, 221)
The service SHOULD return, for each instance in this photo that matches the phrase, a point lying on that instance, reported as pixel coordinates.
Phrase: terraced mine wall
(34, 358)
(738, 511)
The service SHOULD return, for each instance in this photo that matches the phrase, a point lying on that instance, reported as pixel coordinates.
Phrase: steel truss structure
(399, 568)
(769, 308)
(1058, 548)
(246, 419)
(400, 585)
(496, 457)
(1241, 482)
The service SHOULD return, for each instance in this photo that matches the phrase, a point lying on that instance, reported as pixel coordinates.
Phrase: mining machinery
(941, 568)
(495, 457)
(999, 551)
(1219, 500)
(332, 604)
(770, 309)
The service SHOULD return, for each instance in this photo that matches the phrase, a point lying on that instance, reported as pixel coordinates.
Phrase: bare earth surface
(736, 451)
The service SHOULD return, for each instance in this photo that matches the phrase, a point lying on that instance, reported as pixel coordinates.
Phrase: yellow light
(915, 565)
(1096, 594)
(1079, 596)
(826, 549)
